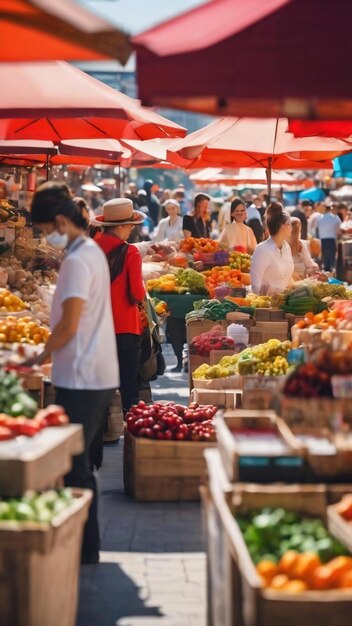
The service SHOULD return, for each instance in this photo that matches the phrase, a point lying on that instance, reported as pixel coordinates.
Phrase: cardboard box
(225, 399)
(197, 327)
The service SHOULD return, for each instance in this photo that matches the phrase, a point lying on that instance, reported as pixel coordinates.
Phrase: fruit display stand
(39, 567)
(197, 327)
(37, 462)
(163, 470)
(236, 595)
(39, 561)
(258, 445)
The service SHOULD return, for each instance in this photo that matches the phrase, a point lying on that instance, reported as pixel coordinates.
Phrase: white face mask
(55, 240)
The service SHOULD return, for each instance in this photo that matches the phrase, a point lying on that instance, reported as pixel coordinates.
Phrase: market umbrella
(278, 57)
(242, 175)
(55, 101)
(321, 128)
(246, 142)
(36, 30)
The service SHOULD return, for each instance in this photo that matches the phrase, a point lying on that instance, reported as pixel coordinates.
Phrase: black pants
(86, 407)
(176, 331)
(129, 355)
(328, 249)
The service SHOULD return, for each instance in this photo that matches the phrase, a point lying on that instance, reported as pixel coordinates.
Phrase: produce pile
(214, 310)
(222, 276)
(11, 427)
(36, 507)
(258, 302)
(168, 421)
(301, 300)
(202, 245)
(160, 307)
(339, 316)
(311, 295)
(22, 330)
(294, 553)
(240, 261)
(10, 303)
(215, 339)
(313, 379)
(183, 281)
(266, 359)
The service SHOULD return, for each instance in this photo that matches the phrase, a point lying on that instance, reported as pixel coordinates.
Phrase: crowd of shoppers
(96, 321)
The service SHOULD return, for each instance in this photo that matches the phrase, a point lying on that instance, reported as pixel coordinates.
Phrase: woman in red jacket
(127, 289)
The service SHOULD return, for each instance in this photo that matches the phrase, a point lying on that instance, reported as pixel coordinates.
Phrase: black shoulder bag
(116, 259)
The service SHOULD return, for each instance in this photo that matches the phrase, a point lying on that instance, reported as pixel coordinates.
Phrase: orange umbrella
(245, 142)
(56, 101)
(37, 30)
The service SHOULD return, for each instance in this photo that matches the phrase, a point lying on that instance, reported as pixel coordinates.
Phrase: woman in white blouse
(170, 228)
(272, 263)
(237, 233)
(303, 262)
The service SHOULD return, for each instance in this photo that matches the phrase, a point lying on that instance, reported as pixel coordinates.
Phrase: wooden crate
(114, 428)
(266, 420)
(235, 594)
(325, 467)
(39, 568)
(34, 383)
(37, 463)
(339, 527)
(315, 412)
(163, 470)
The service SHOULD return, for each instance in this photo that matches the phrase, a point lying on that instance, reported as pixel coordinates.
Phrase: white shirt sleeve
(75, 279)
(159, 233)
(258, 267)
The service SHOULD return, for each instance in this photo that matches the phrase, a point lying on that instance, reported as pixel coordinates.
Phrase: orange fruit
(305, 565)
(295, 586)
(267, 570)
(338, 566)
(288, 562)
(279, 581)
(322, 578)
(345, 582)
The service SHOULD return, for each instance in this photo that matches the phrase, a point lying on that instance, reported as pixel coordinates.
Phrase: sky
(135, 16)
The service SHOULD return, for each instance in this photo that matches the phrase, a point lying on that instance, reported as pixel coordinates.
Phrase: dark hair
(234, 204)
(199, 197)
(276, 217)
(80, 202)
(306, 203)
(52, 199)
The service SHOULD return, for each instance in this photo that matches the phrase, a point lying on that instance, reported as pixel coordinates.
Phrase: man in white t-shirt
(82, 344)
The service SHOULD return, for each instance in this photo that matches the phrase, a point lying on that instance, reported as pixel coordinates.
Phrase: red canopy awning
(55, 101)
(321, 128)
(37, 30)
(254, 58)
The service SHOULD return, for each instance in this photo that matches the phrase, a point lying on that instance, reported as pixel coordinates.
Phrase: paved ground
(152, 569)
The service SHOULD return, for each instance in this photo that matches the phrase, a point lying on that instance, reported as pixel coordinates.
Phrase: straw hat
(119, 211)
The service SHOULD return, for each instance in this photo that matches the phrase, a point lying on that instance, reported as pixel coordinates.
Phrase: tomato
(6, 433)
